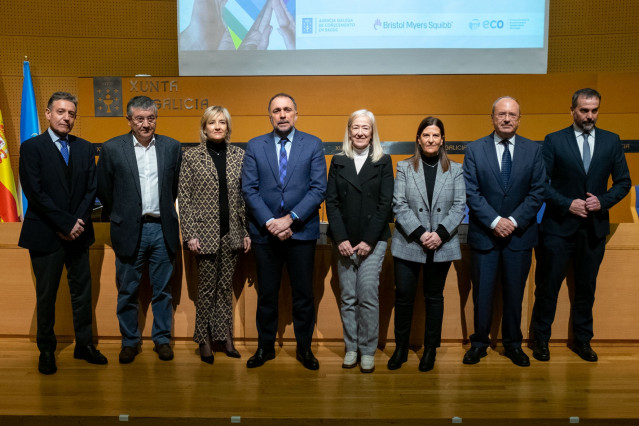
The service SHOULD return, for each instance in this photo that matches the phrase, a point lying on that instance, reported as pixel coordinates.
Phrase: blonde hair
(211, 112)
(376, 151)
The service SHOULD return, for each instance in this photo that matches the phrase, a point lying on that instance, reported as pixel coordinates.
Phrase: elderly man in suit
(57, 173)
(284, 182)
(579, 160)
(504, 175)
(138, 184)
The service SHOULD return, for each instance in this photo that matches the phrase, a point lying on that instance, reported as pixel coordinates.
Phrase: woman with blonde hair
(358, 205)
(213, 225)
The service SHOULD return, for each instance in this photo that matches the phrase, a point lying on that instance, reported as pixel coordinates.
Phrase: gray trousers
(359, 307)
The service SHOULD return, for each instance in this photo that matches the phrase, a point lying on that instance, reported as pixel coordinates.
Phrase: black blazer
(58, 196)
(566, 180)
(358, 206)
(119, 191)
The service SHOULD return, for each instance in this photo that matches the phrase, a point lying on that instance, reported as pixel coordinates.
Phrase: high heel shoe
(232, 353)
(208, 359)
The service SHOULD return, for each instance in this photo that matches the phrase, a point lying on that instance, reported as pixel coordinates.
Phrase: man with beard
(579, 160)
(284, 183)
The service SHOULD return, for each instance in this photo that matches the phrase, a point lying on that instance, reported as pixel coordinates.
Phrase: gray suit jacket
(410, 205)
(119, 191)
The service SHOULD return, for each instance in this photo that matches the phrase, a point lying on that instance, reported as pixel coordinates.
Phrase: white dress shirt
(147, 160)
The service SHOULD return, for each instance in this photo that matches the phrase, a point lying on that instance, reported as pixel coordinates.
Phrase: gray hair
(281, 95)
(141, 102)
(65, 96)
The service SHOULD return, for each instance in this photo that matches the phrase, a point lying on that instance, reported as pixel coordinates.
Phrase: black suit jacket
(119, 191)
(58, 196)
(359, 206)
(567, 180)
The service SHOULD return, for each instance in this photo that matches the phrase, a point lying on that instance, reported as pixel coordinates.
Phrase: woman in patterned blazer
(213, 227)
(429, 202)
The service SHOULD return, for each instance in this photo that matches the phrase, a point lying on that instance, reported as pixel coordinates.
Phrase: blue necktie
(506, 163)
(586, 152)
(283, 164)
(64, 150)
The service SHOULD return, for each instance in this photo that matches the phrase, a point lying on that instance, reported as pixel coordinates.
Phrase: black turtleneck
(429, 164)
(217, 151)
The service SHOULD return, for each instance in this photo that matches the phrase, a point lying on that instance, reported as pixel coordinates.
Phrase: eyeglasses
(510, 115)
(140, 120)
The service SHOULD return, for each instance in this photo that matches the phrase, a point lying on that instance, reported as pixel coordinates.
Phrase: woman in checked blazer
(429, 202)
(213, 227)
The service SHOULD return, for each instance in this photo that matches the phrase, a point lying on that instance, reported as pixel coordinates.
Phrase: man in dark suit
(504, 175)
(138, 183)
(57, 173)
(284, 182)
(579, 160)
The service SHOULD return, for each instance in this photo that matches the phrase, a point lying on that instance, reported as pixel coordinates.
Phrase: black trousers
(586, 252)
(299, 258)
(47, 268)
(434, 279)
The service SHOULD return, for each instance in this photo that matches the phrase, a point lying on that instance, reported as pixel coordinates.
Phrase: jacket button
(421, 210)
(438, 210)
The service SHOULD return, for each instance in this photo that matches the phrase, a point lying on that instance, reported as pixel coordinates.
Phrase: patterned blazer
(198, 197)
(410, 205)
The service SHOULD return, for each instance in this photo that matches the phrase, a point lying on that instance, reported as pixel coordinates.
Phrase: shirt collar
(498, 140)
(55, 137)
(136, 143)
(289, 136)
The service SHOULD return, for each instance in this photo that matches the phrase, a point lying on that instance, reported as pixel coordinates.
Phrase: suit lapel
(599, 147)
(367, 172)
(418, 180)
(206, 162)
(297, 146)
(270, 155)
(491, 156)
(52, 151)
(348, 172)
(440, 182)
(520, 155)
(573, 147)
(128, 152)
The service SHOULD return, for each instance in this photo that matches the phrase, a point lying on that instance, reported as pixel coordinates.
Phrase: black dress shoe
(165, 353)
(428, 359)
(584, 350)
(90, 354)
(233, 353)
(399, 357)
(46, 363)
(306, 357)
(518, 357)
(260, 357)
(207, 358)
(541, 351)
(474, 355)
(127, 354)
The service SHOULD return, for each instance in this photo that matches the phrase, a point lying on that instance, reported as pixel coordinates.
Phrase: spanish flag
(8, 198)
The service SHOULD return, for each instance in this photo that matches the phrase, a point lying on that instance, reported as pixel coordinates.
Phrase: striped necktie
(506, 163)
(64, 150)
(283, 164)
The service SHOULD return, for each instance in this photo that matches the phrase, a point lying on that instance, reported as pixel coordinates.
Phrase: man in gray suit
(137, 183)
(504, 175)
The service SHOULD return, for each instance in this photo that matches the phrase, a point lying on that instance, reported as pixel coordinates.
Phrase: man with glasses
(137, 183)
(504, 175)
(57, 172)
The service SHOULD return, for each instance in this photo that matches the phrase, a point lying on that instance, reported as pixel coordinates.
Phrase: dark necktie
(586, 152)
(283, 164)
(64, 150)
(506, 163)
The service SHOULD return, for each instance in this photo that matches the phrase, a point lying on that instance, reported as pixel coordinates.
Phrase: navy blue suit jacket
(303, 190)
(56, 201)
(487, 197)
(566, 180)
